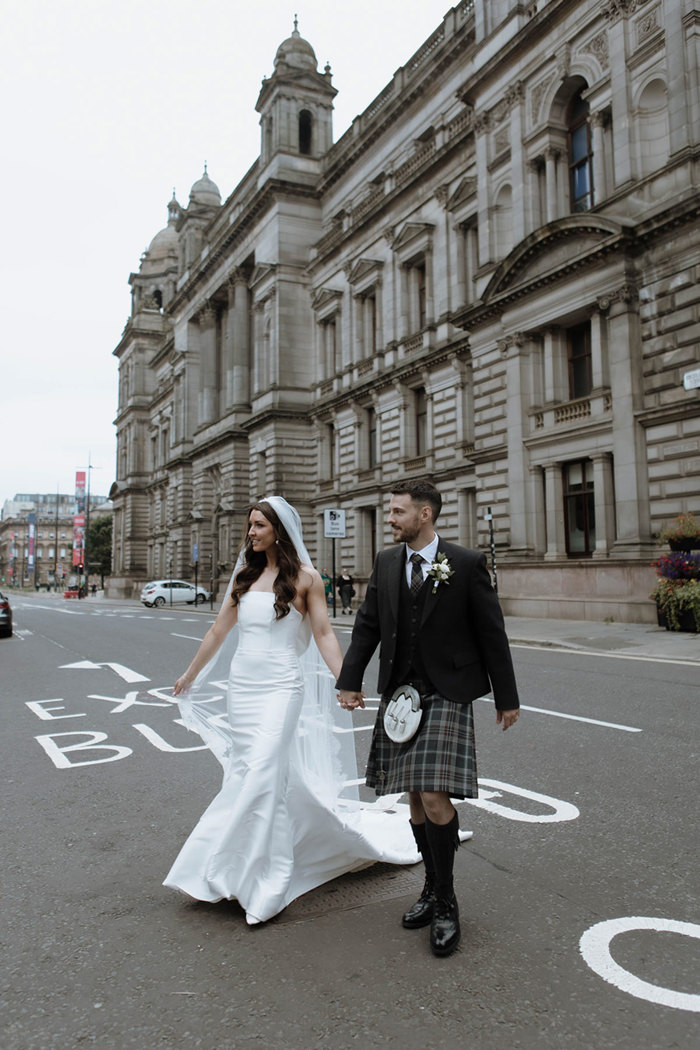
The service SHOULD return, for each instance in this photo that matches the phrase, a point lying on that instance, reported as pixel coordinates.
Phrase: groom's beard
(405, 533)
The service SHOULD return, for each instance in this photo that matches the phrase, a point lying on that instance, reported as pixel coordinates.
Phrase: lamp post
(86, 544)
(55, 549)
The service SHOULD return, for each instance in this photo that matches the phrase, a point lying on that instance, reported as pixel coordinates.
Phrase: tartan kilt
(440, 757)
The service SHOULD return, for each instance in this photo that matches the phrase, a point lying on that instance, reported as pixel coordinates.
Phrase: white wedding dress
(278, 827)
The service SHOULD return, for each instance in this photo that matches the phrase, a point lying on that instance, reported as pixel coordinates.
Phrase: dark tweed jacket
(463, 642)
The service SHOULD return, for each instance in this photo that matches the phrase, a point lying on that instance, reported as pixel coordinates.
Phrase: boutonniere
(440, 571)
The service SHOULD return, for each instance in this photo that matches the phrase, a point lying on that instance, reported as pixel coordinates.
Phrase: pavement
(643, 640)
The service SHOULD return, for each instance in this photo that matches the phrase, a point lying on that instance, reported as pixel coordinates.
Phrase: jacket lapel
(393, 579)
(433, 595)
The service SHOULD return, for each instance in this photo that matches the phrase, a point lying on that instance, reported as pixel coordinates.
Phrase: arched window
(158, 296)
(305, 132)
(580, 154)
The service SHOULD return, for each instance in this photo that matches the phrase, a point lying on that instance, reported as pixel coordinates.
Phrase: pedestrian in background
(346, 590)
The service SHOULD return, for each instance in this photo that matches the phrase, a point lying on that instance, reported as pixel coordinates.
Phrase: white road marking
(124, 672)
(608, 656)
(574, 718)
(595, 949)
(191, 637)
(562, 811)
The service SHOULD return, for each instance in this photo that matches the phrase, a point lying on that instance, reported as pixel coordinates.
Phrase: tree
(100, 545)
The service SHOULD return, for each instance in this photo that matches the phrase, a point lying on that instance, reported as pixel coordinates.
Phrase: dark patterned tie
(416, 573)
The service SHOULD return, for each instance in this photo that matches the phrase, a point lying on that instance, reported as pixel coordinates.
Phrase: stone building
(53, 538)
(492, 278)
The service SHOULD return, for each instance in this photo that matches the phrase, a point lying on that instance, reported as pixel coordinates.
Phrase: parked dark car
(5, 617)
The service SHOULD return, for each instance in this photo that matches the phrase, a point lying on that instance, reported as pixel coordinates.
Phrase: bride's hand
(182, 685)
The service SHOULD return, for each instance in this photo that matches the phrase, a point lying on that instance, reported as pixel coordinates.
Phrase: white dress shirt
(427, 554)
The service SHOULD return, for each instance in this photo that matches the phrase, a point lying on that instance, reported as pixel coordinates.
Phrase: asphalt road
(587, 816)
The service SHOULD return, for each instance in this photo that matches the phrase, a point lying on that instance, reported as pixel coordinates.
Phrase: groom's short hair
(421, 491)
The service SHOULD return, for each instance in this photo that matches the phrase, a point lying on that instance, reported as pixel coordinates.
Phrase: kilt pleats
(440, 757)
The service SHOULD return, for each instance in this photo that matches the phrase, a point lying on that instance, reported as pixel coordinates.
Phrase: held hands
(508, 718)
(350, 700)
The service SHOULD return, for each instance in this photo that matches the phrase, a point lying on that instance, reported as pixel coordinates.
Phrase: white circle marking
(595, 949)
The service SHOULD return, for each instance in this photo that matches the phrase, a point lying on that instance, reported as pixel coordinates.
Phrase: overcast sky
(106, 107)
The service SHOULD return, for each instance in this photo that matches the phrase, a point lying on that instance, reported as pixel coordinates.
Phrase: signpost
(333, 529)
(488, 516)
(195, 559)
(691, 380)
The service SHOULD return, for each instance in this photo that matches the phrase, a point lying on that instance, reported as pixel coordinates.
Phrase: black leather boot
(421, 913)
(443, 840)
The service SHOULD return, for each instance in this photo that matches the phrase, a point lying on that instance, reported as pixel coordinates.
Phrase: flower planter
(686, 621)
(690, 544)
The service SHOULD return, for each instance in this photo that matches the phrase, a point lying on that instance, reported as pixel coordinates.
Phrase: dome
(205, 191)
(164, 244)
(296, 52)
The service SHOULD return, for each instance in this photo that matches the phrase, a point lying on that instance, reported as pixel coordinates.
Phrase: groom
(441, 630)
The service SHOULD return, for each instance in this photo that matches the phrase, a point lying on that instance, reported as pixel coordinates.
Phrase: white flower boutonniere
(440, 571)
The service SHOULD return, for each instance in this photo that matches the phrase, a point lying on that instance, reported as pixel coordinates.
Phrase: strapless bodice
(259, 631)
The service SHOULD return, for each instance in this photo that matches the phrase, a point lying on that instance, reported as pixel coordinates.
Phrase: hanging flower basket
(684, 534)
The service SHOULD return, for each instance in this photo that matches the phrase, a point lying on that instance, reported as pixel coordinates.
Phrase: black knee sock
(424, 850)
(443, 840)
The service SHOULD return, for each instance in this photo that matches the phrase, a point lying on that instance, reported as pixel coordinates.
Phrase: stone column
(554, 512)
(619, 90)
(379, 315)
(682, 74)
(459, 240)
(259, 364)
(599, 187)
(208, 394)
(604, 497)
(551, 156)
(553, 365)
(515, 97)
(629, 444)
(599, 349)
(538, 526)
(483, 182)
(533, 181)
(517, 407)
(240, 327)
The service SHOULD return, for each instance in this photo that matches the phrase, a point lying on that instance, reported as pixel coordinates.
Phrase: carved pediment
(364, 270)
(555, 249)
(413, 235)
(326, 299)
(260, 272)
(464, 192)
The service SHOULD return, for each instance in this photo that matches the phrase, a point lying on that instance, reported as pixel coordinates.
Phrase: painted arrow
(124, 672)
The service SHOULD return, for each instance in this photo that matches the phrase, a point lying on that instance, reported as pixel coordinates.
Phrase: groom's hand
(350, 700)
(507, 718)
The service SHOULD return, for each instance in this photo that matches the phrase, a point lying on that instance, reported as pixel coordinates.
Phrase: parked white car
(163, 592)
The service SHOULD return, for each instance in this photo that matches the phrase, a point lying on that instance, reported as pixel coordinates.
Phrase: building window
(305, 132)
(421, 418)
(579, 508)
(420, 299)
(578, 349)
(372, 437)
(580, 155)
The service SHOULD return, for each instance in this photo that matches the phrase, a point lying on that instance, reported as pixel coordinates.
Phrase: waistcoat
(407, 661)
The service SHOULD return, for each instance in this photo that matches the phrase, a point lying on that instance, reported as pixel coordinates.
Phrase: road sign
(195, 552)
(334, 524)
(691, 380)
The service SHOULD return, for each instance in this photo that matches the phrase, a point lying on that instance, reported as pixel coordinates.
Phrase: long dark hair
(254, 562)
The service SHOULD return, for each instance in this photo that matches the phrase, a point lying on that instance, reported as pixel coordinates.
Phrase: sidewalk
(623, 639)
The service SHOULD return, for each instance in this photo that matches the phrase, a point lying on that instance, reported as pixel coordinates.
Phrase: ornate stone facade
(491, 279)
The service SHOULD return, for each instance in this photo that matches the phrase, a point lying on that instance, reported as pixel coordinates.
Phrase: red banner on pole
(79, 519)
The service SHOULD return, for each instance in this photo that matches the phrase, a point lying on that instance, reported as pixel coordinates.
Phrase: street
(586, 817)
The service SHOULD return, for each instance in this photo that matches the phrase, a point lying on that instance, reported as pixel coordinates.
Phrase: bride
(285, 819)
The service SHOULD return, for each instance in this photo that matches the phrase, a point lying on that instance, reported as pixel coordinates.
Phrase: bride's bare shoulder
(307, 576)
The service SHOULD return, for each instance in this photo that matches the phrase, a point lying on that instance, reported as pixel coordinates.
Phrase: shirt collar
(427, 553)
